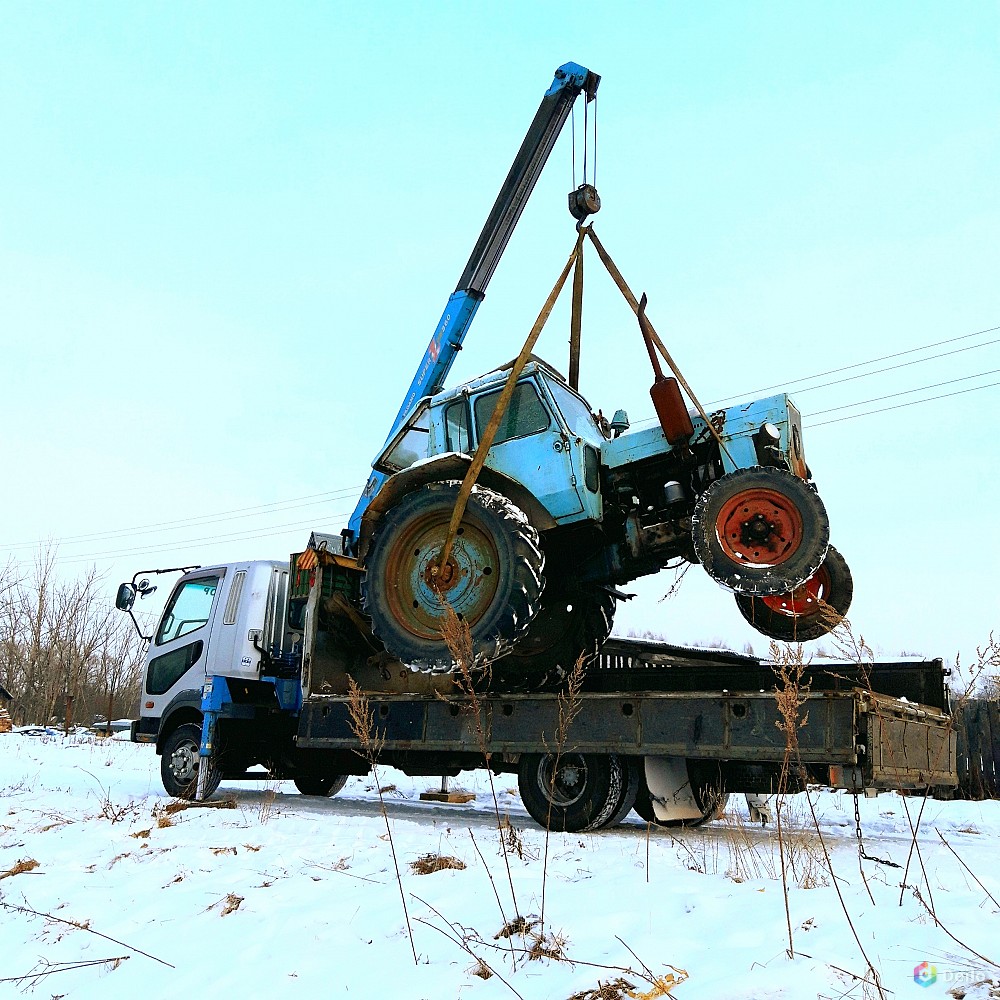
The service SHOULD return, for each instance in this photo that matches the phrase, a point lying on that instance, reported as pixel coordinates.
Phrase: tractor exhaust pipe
(665, 392)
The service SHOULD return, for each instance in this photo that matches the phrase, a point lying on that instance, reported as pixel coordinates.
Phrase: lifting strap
(490, 432)
(654, 336)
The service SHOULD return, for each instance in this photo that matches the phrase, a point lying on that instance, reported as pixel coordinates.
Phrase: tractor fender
(452, 466)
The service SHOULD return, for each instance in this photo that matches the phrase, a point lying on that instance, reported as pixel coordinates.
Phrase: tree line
(66, 654)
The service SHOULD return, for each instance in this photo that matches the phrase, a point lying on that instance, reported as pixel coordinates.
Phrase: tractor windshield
(409, 444)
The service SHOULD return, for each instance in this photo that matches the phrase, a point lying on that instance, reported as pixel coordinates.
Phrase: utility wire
(281, 505)
(277, 506)
(913, 402)
(861, 364)
(907, 392)
(278, 529)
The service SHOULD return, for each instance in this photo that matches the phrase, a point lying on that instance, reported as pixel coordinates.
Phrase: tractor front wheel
(809, 611)
(760, 531)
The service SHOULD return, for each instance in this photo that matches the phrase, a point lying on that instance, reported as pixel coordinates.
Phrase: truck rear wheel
(809, 611)
(179, 763)
(309, 784)
(493, 578)
(574, 792)
(760, 531)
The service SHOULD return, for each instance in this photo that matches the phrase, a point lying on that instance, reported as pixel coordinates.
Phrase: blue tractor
(562, 508)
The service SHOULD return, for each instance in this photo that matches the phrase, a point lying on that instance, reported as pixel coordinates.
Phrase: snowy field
(278, 895)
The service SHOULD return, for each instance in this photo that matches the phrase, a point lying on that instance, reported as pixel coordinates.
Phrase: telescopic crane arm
(570, 81)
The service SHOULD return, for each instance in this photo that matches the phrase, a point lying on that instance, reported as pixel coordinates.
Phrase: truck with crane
(509, 505)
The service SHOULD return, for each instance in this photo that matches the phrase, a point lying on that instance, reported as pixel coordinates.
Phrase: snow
(283, 895)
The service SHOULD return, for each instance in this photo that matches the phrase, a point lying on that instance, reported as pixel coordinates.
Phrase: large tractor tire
(493, 579)
(760, 531)
(574, 792)
(567, 627)
(809, 611)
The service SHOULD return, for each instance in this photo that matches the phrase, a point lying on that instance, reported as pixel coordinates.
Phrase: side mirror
(619, 423)
(125, 598)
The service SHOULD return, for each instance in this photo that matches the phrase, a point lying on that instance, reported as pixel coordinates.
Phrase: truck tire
(809, 611)
(493, 580)
(760, 531)
(179, 763)
(309, 784)
(572, 792)
(566, 628)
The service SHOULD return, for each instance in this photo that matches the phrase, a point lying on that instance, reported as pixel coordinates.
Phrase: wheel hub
(184, 763)
(759, 526)
(468, 581)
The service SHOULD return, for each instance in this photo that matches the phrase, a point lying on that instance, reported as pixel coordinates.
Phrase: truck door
(531, 447)
(179, 650)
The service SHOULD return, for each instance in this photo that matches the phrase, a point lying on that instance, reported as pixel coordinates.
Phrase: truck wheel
(572, 792)
(309, 784)
(493, 579)
(565, 628)
(179, 763)
(809, 611)
(760, 531)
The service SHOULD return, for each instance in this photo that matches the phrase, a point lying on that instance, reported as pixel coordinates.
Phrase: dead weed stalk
(457, 636)
(362, 720)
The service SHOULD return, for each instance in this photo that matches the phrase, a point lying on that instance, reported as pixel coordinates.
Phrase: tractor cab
(548, 439)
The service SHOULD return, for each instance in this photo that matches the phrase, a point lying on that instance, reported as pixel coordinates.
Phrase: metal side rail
(849, 739)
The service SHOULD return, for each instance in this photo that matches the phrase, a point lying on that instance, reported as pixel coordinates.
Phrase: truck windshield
(189, 608)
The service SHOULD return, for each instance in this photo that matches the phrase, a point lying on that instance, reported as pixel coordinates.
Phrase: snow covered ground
(281, 895)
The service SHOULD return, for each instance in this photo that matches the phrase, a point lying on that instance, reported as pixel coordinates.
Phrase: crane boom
(569, 82)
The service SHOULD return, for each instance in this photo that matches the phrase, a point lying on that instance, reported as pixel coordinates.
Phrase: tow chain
(862, 854)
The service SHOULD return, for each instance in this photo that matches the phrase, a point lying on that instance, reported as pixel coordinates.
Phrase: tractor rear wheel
(760, 531)
(809, 611)
(567, 627)
(492, 580)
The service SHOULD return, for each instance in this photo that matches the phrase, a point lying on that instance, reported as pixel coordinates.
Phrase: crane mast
(570, 81)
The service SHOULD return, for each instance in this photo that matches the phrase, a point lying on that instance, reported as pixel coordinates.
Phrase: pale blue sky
(227, 231)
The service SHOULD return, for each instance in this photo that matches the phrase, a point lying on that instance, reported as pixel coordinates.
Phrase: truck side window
(456, 422)
(525, 415)
(189, 608)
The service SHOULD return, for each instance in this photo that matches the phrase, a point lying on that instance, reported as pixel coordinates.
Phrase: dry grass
(427, 864)
(230, 904)
(26, 865)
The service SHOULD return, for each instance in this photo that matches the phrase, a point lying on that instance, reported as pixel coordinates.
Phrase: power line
(913, 402)
(860, 364)
(905, 392)
(275, 506)
(278, 529)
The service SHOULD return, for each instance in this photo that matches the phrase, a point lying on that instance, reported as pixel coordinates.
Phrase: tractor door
(532, 448)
